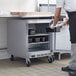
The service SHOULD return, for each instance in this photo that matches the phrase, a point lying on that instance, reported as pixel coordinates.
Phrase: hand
(52, 26)
(61, 25)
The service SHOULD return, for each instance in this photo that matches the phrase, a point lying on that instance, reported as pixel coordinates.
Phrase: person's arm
(59, 6)
(57, 16)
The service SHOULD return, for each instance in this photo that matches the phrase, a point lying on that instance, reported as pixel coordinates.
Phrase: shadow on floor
(72, 73)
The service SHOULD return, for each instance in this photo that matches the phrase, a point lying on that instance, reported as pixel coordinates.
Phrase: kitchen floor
(37, 68)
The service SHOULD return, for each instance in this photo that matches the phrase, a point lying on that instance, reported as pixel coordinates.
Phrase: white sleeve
(67, 16)
(59, 3)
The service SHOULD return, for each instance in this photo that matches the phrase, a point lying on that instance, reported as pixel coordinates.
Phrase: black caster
(50, 59)
(28, 63)
(53, 57)
(12, 58)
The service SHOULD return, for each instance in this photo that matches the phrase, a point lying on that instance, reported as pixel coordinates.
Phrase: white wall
(52, 1)
(26, 5)
(17, 5)
(21, 5)
(46, 1)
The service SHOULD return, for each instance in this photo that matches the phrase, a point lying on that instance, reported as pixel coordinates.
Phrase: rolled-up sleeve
(59, 3)
(67, 16)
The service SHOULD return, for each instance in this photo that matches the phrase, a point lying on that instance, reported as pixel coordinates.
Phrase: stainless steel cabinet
(29, 39)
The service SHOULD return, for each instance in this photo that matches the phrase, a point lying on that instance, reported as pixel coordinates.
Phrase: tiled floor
(38, 68)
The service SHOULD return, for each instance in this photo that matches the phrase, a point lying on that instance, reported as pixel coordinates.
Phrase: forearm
(57, 15)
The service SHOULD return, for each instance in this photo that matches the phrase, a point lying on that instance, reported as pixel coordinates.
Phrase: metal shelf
(38, 43)
(38, 35)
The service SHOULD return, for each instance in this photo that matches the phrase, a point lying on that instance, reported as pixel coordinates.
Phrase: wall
(46, 1)
(17, 5)
(26, 5)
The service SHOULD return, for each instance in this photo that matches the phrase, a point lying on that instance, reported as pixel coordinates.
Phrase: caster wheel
(12, 58)
(50, 59)
(28, 63)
